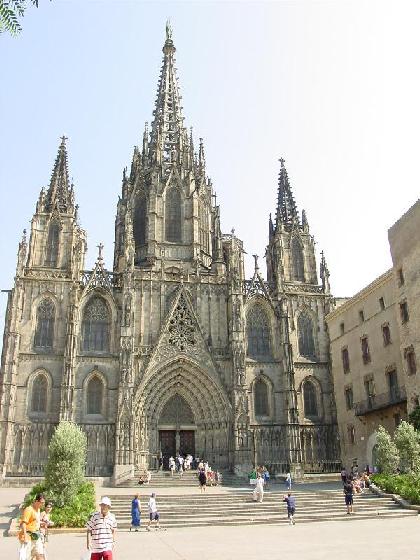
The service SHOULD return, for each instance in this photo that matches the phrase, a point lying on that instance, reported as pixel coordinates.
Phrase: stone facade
(405, 251)
(174, 350)
(369, 379)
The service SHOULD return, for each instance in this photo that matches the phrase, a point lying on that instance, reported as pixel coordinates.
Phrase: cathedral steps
(236, 507)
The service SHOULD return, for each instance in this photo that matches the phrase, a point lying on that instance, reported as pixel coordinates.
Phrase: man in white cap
(101, 532)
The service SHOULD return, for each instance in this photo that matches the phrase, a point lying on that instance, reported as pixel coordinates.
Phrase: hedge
(405, 485)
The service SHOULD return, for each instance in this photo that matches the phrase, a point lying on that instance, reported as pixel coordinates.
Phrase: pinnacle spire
(286, 212)
(60, 191)
(167, 130)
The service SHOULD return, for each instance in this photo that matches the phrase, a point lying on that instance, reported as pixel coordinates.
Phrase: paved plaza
(379, 538)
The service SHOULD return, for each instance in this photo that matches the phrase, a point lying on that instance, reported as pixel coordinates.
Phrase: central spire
(286, 213)
(168, 135)
(60, 191)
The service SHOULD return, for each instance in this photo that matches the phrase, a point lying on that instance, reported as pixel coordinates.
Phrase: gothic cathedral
(174, 350)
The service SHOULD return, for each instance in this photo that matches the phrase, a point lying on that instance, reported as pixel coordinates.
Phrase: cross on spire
(100, 249)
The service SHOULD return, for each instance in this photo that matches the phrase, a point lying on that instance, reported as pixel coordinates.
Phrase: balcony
(396, 395)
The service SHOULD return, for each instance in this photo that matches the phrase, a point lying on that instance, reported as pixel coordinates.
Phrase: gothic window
(306, 336)
(204, 227)
(39, 394)
(309, 399)
(298, 271)
(345, 359)
(258, 333)
(173, 215)
(365, 350)
(95, 326)
(51, 251)
(139, 221)
(386, 333)
(44, 332)
(176, 411)
(95, 390)
(261, 398)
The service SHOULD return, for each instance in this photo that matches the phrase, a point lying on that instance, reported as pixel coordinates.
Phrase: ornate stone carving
(181, 326)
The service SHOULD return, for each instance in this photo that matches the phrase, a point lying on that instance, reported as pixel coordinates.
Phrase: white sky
(331, 86)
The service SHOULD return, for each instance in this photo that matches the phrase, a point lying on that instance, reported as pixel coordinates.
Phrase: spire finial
(256, 267)
(100, 249)
(168, 30)
(282, 162)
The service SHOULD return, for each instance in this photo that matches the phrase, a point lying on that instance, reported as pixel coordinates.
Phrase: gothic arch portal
(182, 381)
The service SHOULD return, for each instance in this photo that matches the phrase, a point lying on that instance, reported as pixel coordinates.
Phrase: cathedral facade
(175, 350)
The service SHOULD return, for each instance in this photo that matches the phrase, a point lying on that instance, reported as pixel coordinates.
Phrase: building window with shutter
(386, 333)
(410, 357)
(345, 359)
(365, 350)
(404, 312)
(348, 394)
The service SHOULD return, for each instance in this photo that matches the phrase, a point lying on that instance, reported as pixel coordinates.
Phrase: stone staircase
(163, 479)
(233, 506)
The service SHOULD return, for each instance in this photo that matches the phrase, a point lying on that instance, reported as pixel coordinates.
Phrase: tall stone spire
(60, 192)
(286, 213)
(168, 135)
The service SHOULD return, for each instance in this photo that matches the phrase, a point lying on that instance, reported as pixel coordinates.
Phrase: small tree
(65, 469)
(414, 418)
(408, 444)
(386, 452)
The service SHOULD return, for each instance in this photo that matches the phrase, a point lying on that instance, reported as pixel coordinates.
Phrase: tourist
(29, 534)
(180, 471)
(288, 481)
(258, 493)
(100, 536)
(343, 475)
(172, 465)
(202, 479)
(266, 477)
(291, 507)
(348, 496)
(135, 513)
(180, 463)
(45, 524)
(153, 512)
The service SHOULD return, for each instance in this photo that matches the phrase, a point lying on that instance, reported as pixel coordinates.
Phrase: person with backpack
(291, 507)
(348, 496)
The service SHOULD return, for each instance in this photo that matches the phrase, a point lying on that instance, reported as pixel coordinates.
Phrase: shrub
(387, 456)
(74, 513)
(405, 485)
(414, 418)
(64, 472)
(408, 443)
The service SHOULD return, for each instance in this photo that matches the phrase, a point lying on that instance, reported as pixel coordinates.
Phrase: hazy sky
(333, 87)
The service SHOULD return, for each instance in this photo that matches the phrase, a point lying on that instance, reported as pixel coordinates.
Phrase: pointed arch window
(258, 333)
(139, 222)
(44, 330)
(95, 393)
(298, 270)
(309, 399)
(306, 336)
(53, 243)
(39, 394)
(173, 216)
(261, 398)
(95, 326)
(204, 227)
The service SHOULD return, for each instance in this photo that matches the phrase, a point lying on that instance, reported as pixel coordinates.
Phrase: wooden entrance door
(167, 443)
(187, 442)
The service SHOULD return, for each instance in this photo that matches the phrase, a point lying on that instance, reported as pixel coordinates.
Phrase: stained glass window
(309, 398)
(173, 215)
(261, 398)
(95, 390)
(96, 326)
(298, 270)
(44, 332)
(258, 332)
(39, 394)
(51, 252)
(306, 336)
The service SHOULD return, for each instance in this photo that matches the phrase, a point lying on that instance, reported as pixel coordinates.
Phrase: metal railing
(396, 395)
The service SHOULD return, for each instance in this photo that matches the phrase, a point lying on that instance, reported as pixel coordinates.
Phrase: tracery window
(95, 326)
(306, 336)
(173, 215)
(95, 391)
(44, 331)
(309, 399)
(261, 398)
(139, 222)
(39, 394)
(53, 241)
(298, 270)
(258, 333)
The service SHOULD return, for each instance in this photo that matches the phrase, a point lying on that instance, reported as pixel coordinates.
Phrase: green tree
(414, 418)
(407, 440)
(387, 455)
(10, 12)
(65, 469)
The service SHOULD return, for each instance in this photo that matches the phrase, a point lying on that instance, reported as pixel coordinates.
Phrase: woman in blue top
(135, 513)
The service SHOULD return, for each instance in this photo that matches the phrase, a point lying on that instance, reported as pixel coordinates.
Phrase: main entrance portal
(176, 429)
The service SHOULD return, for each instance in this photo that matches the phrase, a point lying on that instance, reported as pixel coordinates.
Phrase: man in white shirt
(100, 537)
(153, 512)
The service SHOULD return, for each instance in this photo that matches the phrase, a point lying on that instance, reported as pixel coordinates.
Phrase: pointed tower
(56, 239)
(167, 195)
(292, 274)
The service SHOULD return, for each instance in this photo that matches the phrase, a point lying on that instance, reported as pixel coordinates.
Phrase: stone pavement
(381, 538)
